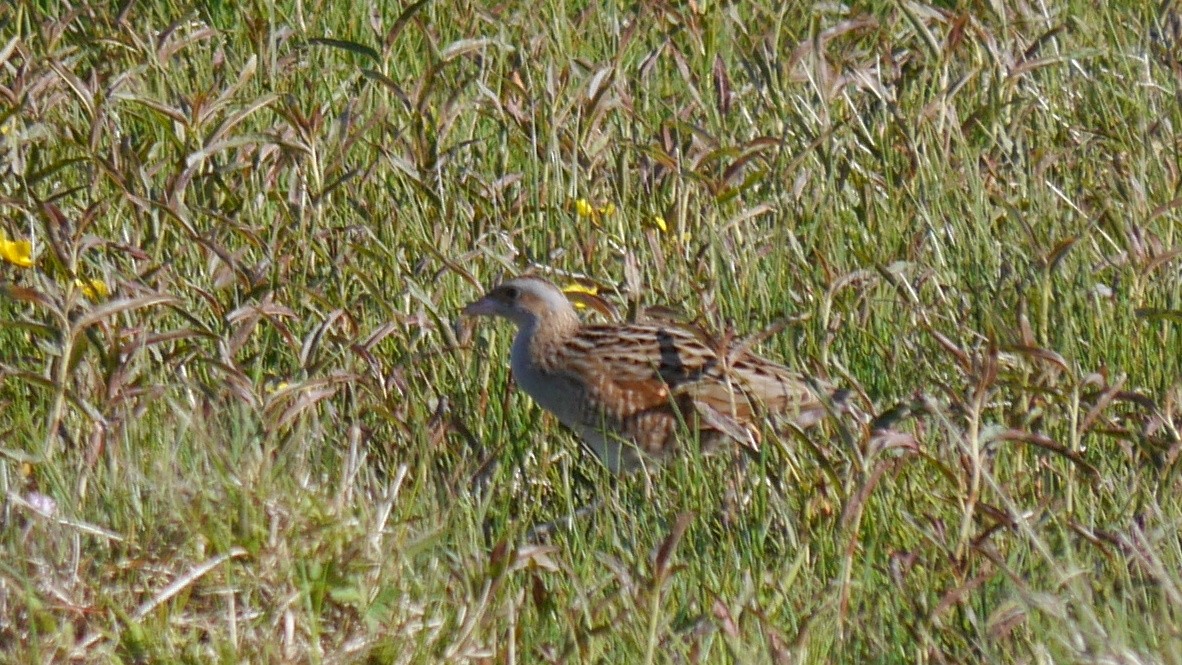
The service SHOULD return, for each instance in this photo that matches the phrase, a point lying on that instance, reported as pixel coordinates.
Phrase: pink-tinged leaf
(596, 88)
(170, 46)
(1158, 314)
(665, 552)
(620, 571)
(960, 593)
(1046, 443)
(726, 621)
(84, 95)
(238, 116)
(1137, 398)
(855, 278)
(464, 46)
(312, 340)
(389, 84)
(382, 332)
(7, 49)
(1161, 260)
(594, 302)
(749, 152)
(749, 213)
(961, 357)
(1101, 404)
(1040, 353)
(885, 439)
(401, 22)
(28, 295)
(172, 113)
(535, 556)
(346, 45)
(687, 75)
(722, 87)
(302, 397)
(120, 306)
(1058, 252)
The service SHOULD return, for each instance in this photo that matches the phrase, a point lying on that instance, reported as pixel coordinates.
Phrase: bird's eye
(511, 292)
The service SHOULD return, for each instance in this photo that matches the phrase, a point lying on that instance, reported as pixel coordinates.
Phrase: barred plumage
(627, 388)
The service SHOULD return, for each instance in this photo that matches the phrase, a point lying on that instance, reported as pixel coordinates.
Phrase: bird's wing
(642, 381)
(621, 367)
(648, 379)
(631, 378)
(780, 391)
(651, 364)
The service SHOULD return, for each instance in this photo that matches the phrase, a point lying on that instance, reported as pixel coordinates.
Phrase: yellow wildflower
(17, 252)
(93, 289)
(584, 209)
(658, 222)
(575, 288)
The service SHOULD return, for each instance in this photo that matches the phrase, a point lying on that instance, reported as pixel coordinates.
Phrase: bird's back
(639, 383)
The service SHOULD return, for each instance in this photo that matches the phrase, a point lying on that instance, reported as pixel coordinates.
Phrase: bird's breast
(552, 391)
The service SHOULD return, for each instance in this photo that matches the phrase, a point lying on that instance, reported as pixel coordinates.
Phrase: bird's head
(526, 301)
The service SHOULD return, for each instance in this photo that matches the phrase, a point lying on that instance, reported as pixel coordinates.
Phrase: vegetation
(240, 420)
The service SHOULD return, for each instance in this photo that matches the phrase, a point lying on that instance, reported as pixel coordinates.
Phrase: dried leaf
(120, 306)
(345, 45)
(665, 552)
(464, 46)
(722, 87)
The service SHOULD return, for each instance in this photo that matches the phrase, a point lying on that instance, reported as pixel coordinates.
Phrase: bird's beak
(484, 307)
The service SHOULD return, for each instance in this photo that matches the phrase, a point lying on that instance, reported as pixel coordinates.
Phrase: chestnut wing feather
(636, 368)
(642, 381)
(650, 363)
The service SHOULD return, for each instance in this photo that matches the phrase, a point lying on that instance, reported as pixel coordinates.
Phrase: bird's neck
(538, 338)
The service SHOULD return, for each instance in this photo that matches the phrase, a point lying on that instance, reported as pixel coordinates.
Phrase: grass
(271, 441)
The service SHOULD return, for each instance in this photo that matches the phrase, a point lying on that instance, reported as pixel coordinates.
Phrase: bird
(631, 391)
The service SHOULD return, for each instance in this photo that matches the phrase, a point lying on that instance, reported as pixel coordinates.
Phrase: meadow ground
(240, 422)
